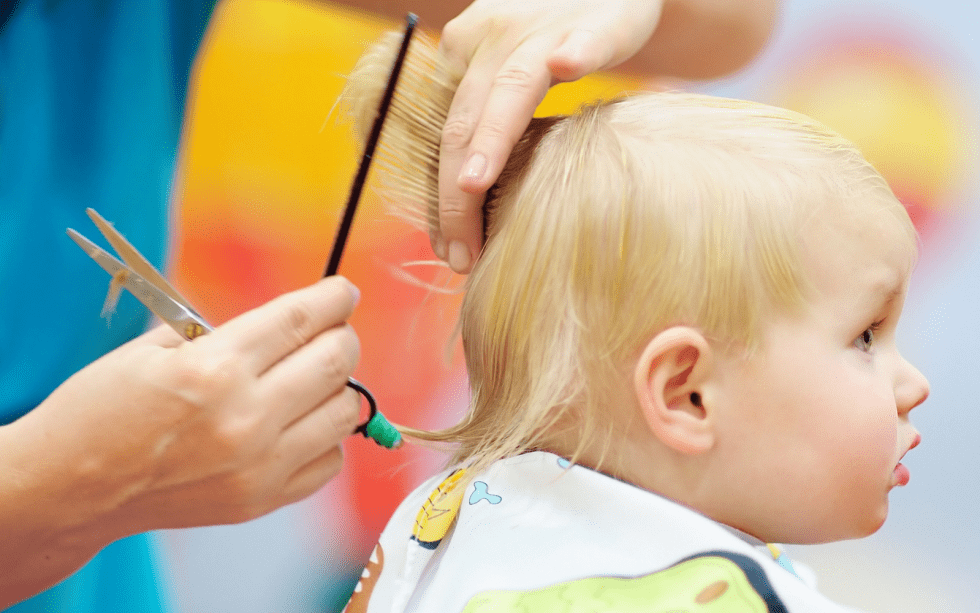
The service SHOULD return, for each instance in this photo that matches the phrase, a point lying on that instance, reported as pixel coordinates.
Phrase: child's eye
(867, 338)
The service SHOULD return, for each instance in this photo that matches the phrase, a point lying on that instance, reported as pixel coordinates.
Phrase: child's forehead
(873, 243)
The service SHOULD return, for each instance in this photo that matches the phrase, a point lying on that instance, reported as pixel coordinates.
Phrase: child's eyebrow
(885, 293)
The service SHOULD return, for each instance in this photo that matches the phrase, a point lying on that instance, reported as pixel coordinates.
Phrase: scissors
(137, 275)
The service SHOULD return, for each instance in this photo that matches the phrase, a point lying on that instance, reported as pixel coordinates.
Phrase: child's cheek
(873, 440)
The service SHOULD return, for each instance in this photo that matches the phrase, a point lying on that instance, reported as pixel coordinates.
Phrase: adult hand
(510, 53)
(165, 433)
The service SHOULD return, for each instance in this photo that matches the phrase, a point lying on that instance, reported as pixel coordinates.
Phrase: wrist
(49, 530)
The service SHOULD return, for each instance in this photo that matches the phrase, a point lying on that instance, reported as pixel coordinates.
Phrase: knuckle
(491, 130)
(455, 34)
(466, 33)
(353, 343)
(453, 210)
(335, 419)
(240, 436)
(503, 24)
(342, 354)
(455, 205)
(457, 131)
(234, 436)
(516, 78)
(335, 368)
(201, 379)
(231, 451)
(297, 323)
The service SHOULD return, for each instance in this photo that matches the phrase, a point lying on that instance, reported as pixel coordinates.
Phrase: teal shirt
(92, 95)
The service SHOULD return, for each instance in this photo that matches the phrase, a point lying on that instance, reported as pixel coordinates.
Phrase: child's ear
(669, 382)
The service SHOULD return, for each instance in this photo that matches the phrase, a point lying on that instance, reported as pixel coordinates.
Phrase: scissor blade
(135, 260)
(108, 263)
(185, 321)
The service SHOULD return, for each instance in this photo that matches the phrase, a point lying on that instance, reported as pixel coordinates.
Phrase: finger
(460, 213)
(460, 234)
(313, 373)
(463, 35)
(313, 476)
(518, 87)
(267, 334)
(581, 53)
(438, 244)
(508, 103)
(321, 429)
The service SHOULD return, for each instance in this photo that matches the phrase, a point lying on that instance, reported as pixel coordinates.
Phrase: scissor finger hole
(374, 425)
(367, 412)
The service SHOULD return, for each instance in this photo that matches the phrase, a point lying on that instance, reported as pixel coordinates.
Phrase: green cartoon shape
(713, 583)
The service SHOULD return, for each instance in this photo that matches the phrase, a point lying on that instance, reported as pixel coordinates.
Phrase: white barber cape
(532, 534)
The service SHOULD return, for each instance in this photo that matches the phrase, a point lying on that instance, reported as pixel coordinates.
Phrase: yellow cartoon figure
(711, 583)
(440, 509)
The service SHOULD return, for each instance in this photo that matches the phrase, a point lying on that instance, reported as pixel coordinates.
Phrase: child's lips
(915, 441)
(901, 474)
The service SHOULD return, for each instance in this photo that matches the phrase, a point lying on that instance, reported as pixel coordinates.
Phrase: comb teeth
(407, 158)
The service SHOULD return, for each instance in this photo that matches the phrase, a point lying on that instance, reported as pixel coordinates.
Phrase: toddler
(680, 338)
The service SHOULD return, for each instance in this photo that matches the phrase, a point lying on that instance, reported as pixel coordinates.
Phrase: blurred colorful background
(265, 168)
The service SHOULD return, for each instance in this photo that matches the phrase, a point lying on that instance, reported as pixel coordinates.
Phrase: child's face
(819, 417)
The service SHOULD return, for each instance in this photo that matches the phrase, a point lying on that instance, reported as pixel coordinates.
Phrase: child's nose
(911, 389)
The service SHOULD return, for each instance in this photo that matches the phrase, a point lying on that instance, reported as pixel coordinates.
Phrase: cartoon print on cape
(709, 582)
(359, 600)
(712, 582)
(432, 523)
(439, 511)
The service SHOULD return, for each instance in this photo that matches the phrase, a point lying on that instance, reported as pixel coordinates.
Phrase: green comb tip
(383, 433)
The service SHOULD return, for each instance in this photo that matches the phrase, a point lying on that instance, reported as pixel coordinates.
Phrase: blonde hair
(608, 226)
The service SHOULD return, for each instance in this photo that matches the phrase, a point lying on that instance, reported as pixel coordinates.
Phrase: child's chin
(862, 527)
(869, 524)
(879, 521)
(866, 523)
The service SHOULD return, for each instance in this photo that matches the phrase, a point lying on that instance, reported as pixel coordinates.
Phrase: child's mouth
(901, 475)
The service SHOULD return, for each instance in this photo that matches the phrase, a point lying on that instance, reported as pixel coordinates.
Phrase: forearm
(433, 15)
(694, 39)
(703, 39)
(43, 535)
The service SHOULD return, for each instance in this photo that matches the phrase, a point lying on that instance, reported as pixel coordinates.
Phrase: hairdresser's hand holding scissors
(512, 51)
(166, 433)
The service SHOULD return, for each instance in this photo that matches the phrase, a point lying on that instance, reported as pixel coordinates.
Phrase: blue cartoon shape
(564, 463)
(480, 493)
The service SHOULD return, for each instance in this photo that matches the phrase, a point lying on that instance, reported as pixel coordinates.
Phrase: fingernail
(475, 168)
(439, 247)
(356, 293)
(459, 257)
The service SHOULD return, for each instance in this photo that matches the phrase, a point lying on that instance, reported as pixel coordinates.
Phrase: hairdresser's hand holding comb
(512, 51)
